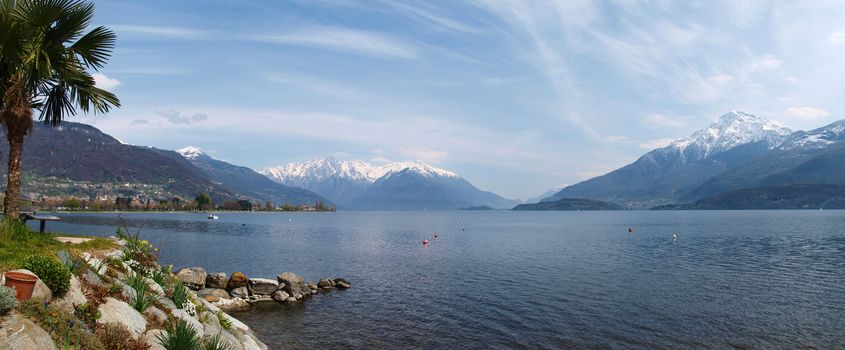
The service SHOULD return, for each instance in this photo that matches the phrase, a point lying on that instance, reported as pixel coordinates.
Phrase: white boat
(213, 217)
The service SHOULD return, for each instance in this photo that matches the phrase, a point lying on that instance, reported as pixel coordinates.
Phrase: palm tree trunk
(13, 187)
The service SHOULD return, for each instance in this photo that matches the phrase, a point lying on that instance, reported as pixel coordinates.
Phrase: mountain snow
(318, 170)
(190, 152)
(729, 131)
(817, 138)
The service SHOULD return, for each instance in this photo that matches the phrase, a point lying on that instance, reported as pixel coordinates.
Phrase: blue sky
(516, 96)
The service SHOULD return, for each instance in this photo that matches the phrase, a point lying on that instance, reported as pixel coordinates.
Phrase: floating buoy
(630, 230)
(435, 235)
(674, 236)
(425, 242)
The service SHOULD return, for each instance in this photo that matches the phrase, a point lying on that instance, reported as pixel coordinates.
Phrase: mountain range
(739, 151)
(408, 185)
(80, 160)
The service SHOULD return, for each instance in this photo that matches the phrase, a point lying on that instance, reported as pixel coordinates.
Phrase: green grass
(17, 243)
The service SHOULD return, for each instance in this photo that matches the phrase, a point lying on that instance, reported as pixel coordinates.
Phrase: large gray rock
(220, 293)
(116, 311)
(155, 314)
(342, 283)
(190, 320)
(41, 292)
(231, 340)
(240, 292)
(216, 280)
(154, 287)
(325, 283)
(263, 286)
(74, 296)
(193, 277)
(233, 304)
(294, 284)
(151, 337)
(19, 333)
(91, 278)
(280, 295)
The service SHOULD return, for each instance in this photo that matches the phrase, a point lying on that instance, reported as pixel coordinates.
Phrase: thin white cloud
(103, 82)
(424, 154)
(767, 62)
(837, 37)
(344, 40)
(808, 113)
(722, 79)
(165, 32)
(437, 20)
(657, 143)
(661, 120)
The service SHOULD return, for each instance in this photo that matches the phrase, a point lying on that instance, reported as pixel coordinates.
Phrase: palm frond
(95, 47)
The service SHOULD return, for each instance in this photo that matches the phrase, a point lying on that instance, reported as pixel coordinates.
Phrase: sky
(516, 96)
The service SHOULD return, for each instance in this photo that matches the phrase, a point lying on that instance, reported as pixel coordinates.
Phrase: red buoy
(425, 241)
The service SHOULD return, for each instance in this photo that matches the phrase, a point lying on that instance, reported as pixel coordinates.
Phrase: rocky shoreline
(105, 281)
(239, 292)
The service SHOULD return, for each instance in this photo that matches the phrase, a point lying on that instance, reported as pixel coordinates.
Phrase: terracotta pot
(23, 283)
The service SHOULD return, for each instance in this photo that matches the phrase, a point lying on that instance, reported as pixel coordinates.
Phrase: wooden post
(43, 223)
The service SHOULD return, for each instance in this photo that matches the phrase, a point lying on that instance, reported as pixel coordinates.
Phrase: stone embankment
(238, 292)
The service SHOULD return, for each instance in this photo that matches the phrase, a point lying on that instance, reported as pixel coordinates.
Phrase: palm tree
(44, 63)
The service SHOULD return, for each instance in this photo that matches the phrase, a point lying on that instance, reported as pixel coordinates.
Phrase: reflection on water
(744, 279)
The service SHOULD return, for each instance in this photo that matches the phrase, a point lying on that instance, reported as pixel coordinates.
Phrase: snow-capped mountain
(729, 131)
(546, 194)
(666, 174)
(246, 182)
(816, 138)
(361, 185)
(190, 152)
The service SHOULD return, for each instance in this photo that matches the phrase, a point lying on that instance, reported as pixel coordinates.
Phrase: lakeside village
(202, 202)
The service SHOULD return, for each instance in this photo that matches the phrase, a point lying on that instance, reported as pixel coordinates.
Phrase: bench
(42, 218)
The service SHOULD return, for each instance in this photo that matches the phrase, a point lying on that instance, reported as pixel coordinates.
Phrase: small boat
(213, 217)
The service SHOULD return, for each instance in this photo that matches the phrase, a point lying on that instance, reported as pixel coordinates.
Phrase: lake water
(527, 280)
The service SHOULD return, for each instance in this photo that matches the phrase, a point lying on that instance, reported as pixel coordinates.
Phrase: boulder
(240, 292)
(231, 340)
(280, 296)
(19, 333)
(342, 283)
(294, 284)
(325, 283)
(192, 322)
(155, 314)
(125, 290)
(219, 293)
(312, 286)
(216, 280)
(116, 311)
(154, 287)
(74, 296)
(151, 337)
(232, 304)
(263, 286)
(167, 303)
(237, 280)
(291, 300)
(91, 278)
(211, 298)
(41, 292)
(193, 277)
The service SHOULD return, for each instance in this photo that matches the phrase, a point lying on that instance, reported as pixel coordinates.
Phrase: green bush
(51, 272)
(142, 300)
(7, 300)
(180, 337)
(216, 343)
(180, 295)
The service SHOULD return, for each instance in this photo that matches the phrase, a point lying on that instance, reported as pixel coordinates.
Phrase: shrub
(162, 275)
(117, 336)
(72, 262)
(7, 300)
(141, 301)
(51, 272)
(61, 325)
(216, 343)
(88, 313)
(180, 336)
(180, 295)
(224, 321)
(15, 230)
